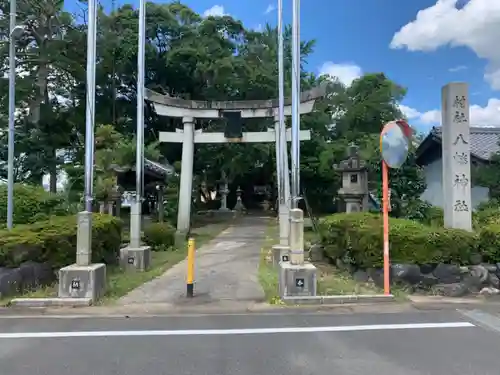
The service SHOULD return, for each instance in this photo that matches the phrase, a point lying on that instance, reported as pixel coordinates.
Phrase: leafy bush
(359, 237)
(489, 242)
(159, 235)
(54, 241)
(31, 204)
(486, 213)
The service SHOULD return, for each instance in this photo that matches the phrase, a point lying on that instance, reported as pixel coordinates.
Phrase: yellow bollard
(190, 270)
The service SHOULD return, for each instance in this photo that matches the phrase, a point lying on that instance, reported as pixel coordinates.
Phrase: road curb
(338, 299)
(50, 302)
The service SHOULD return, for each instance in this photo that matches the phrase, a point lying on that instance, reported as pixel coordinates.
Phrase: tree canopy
(187, 56)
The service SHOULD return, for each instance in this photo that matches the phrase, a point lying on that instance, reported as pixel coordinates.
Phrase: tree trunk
(41, 83)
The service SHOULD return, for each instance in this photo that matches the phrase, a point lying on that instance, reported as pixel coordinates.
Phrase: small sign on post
(75, 284)
(130, 260)
(299, 282)
(395, 141)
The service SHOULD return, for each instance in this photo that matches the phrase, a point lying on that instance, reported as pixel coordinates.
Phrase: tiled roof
(159, 168)
(484, 142)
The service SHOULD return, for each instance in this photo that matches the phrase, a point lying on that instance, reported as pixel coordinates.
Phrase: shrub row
(358, 238)
(160, 236)
(31, 204)
(54, 241)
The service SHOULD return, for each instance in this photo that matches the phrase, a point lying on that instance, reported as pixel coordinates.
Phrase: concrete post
(186, 183)
(84, 239)
(135, 221)
(297, 277)
(283, 191)
(296, 236)
(456, 157)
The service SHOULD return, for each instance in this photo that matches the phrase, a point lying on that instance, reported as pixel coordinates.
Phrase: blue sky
(421, 45)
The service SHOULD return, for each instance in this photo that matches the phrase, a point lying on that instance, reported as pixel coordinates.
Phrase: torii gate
(189, 110)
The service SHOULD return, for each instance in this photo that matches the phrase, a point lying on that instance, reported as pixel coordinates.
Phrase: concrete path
(432, 343)
(226, 269)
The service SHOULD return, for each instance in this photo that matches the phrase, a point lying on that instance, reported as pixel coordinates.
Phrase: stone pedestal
(83, 279)
(353, 205)
(297, 279)
(281, 253)
(138, 259)
(77, 281)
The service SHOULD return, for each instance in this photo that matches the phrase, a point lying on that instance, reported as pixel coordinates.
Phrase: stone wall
(27, 277)
(436, 279)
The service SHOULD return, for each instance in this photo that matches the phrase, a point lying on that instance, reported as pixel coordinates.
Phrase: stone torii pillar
(234, 111)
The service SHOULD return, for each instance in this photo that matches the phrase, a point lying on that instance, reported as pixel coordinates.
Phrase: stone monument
(456, 156)
(354, 191)
(233, 112)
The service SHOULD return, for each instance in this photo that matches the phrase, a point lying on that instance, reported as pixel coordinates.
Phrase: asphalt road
(430, 343)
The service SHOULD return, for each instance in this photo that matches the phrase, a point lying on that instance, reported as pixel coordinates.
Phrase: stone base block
(135, 258)
(281, 253)
(82, 281)
(297, 280)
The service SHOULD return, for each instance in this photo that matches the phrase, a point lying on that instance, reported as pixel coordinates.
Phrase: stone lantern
(239, 207)
(354, 190)
(223, 191)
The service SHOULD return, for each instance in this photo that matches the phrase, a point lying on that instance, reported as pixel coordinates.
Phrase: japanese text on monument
(460, 155)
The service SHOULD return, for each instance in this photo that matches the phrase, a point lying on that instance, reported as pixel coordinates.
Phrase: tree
(187, 56)
(51, 63)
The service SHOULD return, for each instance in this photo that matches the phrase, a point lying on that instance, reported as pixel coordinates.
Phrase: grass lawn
(268, 275)
(120, 283)
(331, 281)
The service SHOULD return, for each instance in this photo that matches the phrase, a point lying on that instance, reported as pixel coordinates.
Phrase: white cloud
(457, 68)
(258, 28)
(215, 11)
(488, 115)
(475, 25)
(270, 8)
(346, 72)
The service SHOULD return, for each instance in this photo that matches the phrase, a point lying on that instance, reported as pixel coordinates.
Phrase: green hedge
(159, 235)
(358, 237)
(489, 242)
(54, 241)
(31, 204)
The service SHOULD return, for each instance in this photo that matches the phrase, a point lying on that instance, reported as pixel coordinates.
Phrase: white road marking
(240, 331)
